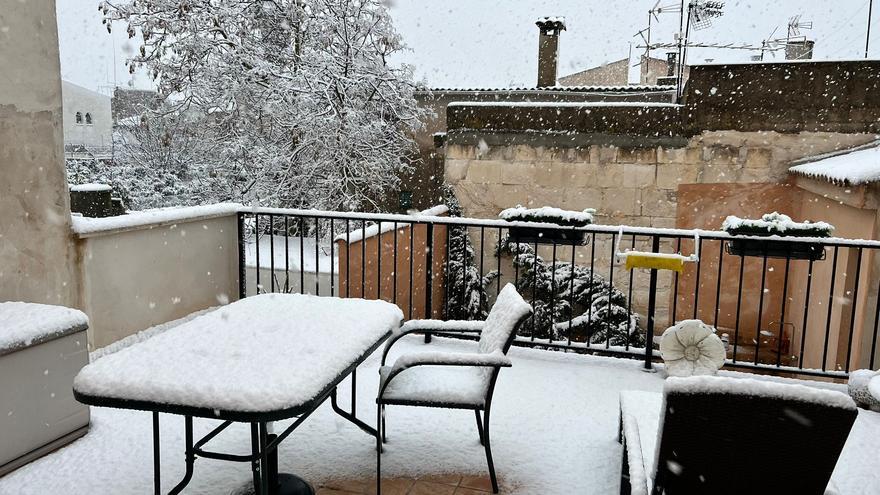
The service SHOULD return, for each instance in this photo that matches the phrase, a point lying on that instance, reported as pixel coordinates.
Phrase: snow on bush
(858, 387)
(776, 224)
(570, 298)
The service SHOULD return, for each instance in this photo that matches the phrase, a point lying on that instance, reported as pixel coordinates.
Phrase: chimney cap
(551, 22)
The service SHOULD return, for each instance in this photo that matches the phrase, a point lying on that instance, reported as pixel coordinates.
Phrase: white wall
(37, 259)
(137, 278)
(82, 100)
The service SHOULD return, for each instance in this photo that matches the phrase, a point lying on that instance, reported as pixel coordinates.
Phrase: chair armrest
(496, 359)
(429, 327)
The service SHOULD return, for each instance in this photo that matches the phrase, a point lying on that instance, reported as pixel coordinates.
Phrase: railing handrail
(598, 228)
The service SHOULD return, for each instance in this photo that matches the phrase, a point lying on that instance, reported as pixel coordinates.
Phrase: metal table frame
(264, 446)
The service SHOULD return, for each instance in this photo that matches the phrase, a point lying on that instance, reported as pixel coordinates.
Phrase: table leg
(190, 457)
(255, 449)
(350, 416)
(265, 482)
(157, 482)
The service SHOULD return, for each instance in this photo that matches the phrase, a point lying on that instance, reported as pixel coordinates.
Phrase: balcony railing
(781, 309)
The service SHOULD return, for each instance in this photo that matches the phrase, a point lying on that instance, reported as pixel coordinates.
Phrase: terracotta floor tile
(331, 491)
(431, 488)
(391, 486)
(443, 479)
(476, 483)
(468, 491)
(348, 486)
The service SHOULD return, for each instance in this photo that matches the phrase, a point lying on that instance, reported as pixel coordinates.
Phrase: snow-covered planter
(692, 348)
(776, 224)
(548, 214)
(859, 387)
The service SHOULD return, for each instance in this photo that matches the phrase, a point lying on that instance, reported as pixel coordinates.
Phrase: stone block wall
(634, 184)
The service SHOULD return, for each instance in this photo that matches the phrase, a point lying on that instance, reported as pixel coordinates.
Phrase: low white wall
(136, 275)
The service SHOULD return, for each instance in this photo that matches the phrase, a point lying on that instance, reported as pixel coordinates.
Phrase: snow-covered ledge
(150, 219)
(149, 267)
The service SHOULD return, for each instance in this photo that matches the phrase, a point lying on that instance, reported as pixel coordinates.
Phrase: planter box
(532, 235)
(38, 413)
(776, 249)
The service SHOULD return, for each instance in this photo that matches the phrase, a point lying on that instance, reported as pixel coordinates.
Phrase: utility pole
(868, 35)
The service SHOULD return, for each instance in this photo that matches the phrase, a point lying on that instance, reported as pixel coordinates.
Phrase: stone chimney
(799, 50)
(548, 49)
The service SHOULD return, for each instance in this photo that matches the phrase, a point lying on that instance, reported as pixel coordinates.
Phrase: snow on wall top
(851, 167)
(359, 234)
(563, 104)
(84, 226)
(264, 353)
(619, 88)
(24, 324)
(758, 388)
(92, 187)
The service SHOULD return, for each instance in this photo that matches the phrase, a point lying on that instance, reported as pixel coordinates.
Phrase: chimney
(670, 63)
(799, 50)
(548, 49)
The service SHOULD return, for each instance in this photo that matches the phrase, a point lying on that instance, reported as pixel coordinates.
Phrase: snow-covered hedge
(548, 214)
(776, 224)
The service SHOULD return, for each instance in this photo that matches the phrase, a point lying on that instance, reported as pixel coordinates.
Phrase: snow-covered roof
(620, 88)
(850, 167)
(24, 324)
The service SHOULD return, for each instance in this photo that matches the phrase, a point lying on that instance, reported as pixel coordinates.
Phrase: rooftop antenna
(654, 15)
(699, 15)
(795, 25)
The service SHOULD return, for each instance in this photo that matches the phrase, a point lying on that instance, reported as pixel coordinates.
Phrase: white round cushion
(692, 348)
(874, 389)
(859, 385)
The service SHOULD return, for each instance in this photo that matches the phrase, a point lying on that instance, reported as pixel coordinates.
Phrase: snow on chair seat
(454, 380)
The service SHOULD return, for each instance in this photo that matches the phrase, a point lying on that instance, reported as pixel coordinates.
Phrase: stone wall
(627, 185)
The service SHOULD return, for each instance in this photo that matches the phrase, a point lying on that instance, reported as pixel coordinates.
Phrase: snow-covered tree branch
(296, 98)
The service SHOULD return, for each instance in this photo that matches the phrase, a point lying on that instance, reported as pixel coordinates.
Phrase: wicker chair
(453, 380)
(724, 436)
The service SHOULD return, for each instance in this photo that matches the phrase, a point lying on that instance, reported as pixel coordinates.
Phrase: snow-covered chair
(721, 435)
(453, 380)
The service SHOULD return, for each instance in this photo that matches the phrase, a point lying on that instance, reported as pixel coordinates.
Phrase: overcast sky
(483, 43)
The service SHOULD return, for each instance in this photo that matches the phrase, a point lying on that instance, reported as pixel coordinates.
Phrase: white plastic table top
(266, 355)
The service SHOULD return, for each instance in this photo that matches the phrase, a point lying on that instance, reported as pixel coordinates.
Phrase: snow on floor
(554, 430)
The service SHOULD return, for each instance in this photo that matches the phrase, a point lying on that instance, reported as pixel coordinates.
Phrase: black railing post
(652, 306)
(242, 274)
(429, 275)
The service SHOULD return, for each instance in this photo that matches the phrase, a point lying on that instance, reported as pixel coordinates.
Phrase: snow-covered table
(261, 359)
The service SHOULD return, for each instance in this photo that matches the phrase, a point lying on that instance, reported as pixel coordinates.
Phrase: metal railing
(796, 305)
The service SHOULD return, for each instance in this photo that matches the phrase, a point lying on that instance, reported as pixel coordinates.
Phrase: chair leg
(378, 449)
(384, 437)
(487, 444)
(479, 425)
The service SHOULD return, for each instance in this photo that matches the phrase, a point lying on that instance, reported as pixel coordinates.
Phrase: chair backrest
(724, 435)
(504, 317)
